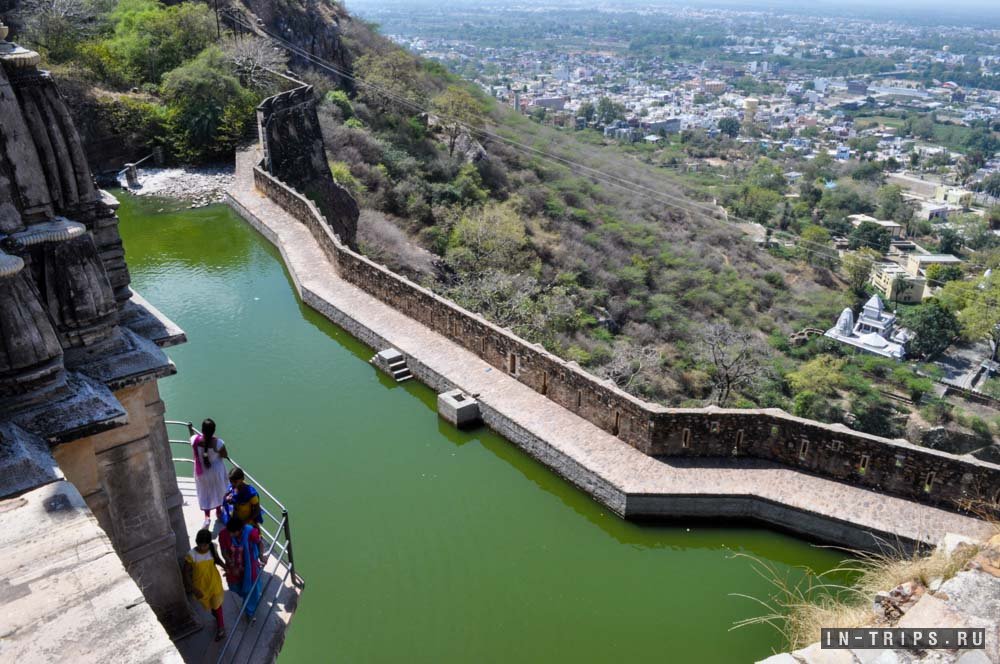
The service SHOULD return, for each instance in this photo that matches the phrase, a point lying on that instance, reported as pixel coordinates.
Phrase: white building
(875, 331)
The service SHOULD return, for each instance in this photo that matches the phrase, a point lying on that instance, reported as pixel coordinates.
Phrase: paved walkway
(626, 480)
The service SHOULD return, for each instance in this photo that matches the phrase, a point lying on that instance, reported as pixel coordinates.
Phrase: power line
(627, 185)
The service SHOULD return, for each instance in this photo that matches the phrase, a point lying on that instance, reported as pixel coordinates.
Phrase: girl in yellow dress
(201, 578)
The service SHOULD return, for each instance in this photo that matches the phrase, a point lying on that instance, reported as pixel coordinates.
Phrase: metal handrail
(284, 557)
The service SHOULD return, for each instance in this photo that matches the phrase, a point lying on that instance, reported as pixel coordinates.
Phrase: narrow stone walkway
(626, 480)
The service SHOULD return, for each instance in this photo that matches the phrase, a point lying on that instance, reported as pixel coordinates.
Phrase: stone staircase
(393, 363)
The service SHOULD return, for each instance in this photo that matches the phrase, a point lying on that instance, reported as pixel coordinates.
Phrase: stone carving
(71, 374)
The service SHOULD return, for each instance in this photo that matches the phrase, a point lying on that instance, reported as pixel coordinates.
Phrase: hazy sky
(953, 12)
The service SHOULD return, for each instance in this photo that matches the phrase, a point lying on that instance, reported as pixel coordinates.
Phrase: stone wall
(293, 152)
(834, 451)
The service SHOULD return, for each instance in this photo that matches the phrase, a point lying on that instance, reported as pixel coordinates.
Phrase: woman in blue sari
(240, 544)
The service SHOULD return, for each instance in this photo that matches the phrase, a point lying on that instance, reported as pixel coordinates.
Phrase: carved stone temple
(89, 503)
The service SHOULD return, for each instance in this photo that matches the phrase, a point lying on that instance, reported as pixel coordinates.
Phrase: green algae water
(419, 543)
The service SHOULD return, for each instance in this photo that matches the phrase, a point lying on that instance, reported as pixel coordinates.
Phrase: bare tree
(253, 61)
(628, 361)
(57, 26)
(736, 357)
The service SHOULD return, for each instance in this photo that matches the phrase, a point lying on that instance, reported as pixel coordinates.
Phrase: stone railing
(834, 451)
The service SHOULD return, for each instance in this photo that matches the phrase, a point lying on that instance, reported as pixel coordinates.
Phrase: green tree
(491, 237)
(460, 113)
(892, 205)
(151, 39)
(858, 268)
(949, 241)
(767, 175)
(933, 325)
(730, 127)
(207, 108)
(874, 415)
(392, 81)
(609, 111)
(587, 111)
(939, 274)
(980, 318)
(870, 234)
(816, 248)
(822, 375)
(755, 203)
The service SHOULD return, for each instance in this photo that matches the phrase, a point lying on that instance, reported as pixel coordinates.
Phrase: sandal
(221, 634)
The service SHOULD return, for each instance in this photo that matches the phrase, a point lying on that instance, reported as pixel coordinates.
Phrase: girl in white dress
(210, 476)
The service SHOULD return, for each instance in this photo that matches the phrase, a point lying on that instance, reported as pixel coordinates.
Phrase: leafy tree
(491, 237)
(949, 241)
(980, 318)
(870, 234)
(892, 205)
(392, 81)
(587, 111)
(609, 111)
(151, 39)
(340, 99)
(858, 268)
(823, 375)
(934, 326)
(730, 127)
(207, 108)
(809, 193)
(874, 415)
(869, 171)
(816, 246)
(755, 203)
(460, 113)
(991, 185)
(767, 175)
(939, 274)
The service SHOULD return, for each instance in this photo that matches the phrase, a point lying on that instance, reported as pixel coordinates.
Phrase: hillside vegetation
(614, 268)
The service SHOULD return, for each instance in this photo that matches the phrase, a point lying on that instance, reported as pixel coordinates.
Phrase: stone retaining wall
(834, 451)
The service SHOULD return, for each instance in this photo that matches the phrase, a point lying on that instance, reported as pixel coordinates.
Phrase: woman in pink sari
(210, 476)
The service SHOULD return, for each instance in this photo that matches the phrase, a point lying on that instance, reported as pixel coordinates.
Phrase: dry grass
(798, 609)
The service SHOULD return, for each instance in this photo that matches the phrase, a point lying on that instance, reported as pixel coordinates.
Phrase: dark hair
(235, 524)
(207, 436)
(204, 536)
(236, 474)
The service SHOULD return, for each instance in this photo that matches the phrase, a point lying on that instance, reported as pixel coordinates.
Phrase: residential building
(916, 264)
(896, 231)
(896, 284)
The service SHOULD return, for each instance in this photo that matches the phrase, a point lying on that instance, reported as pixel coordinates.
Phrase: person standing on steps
(242, 500)
(202, 579)
(241, 549)
(210, 477)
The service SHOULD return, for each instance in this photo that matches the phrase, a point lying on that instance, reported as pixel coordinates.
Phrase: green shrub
(149, 40)
(208, 110)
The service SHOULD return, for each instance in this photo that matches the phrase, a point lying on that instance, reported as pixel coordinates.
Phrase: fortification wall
(293, 151)
(834, 451)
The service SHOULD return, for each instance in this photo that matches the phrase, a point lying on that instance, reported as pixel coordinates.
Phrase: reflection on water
(418, 542)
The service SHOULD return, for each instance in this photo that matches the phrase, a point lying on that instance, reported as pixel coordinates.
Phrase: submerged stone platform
(621, 477)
